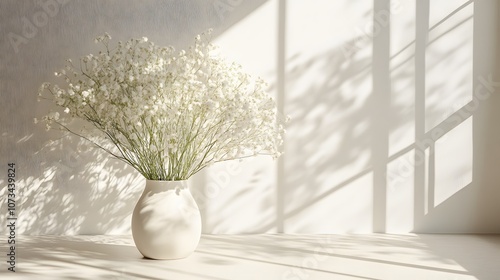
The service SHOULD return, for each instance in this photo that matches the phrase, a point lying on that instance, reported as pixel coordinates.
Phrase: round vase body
(166, 222)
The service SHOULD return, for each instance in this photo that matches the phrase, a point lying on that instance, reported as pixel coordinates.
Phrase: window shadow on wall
(388, 126)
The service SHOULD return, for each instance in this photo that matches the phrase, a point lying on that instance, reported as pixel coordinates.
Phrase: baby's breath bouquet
(166, 113)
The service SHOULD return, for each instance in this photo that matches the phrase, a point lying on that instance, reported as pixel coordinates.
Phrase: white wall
(393, 125)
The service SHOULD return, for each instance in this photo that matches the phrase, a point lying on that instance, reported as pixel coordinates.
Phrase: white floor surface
(262, 257)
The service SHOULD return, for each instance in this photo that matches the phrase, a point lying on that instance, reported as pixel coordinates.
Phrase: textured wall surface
(393, 104)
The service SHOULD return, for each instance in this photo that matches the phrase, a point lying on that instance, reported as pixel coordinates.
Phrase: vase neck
(154, 185)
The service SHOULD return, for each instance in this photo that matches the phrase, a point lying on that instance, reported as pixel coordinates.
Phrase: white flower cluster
(167, 113)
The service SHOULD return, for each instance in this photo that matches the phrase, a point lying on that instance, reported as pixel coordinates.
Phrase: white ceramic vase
(166, 222)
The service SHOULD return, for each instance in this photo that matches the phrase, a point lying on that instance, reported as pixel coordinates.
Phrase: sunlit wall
(393, 106)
